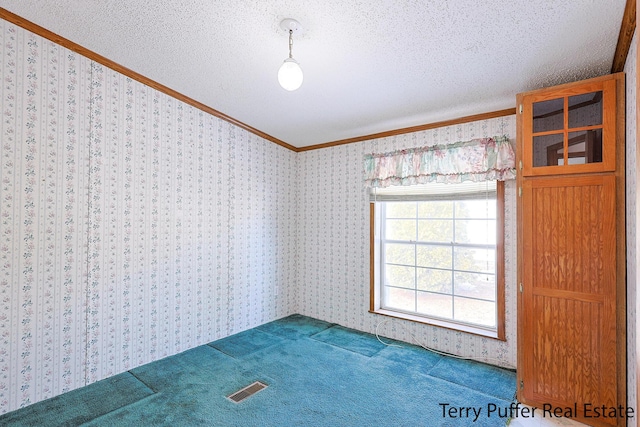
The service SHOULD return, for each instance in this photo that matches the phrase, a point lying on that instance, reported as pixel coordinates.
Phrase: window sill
(458, 327)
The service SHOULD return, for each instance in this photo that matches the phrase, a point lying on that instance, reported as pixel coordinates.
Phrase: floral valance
(476, 160)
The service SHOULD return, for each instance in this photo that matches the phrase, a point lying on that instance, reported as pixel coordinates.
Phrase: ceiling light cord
(291, 44)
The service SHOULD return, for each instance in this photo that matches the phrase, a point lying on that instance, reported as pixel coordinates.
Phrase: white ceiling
(369, 65)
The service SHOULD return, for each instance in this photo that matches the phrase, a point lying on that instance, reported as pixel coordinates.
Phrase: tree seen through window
(439, 258)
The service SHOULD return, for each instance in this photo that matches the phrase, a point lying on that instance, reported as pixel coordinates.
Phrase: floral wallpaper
(632, 221)
(132, 226)
(333, 241)
(43, 218)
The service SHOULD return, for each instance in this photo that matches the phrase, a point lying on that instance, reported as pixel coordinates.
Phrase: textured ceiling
(369, 65)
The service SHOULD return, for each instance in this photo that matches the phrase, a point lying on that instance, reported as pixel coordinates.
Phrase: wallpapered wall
(333, 242)
(132, 226)
(43, 218)
(632, 242)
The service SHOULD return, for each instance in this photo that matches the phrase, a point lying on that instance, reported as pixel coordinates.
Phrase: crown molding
(627, 28)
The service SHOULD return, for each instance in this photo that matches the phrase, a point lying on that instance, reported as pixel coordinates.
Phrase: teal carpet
(318, 374)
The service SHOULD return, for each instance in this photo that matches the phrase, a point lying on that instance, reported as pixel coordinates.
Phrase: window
(437, 255)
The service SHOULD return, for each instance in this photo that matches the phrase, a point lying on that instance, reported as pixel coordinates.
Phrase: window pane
(434, 280)
(475, 311)
(400, 229)
(436, 209)
(401, 209)
(435, 305)
(475, 285)
(397, 253)
(435, 230)
(434, 256)
(585, 147)
(402, 277)
(476, 260)
(548, 150)
(476, 231)
(400, 299)
(479, 209)
(431, 260)
(585, 109)
(548, 115)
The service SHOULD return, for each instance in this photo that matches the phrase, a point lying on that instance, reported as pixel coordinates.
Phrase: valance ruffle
(476, 160)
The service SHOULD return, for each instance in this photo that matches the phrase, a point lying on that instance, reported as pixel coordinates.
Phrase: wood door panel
(568, 245)
(565, 370)
(569, 286)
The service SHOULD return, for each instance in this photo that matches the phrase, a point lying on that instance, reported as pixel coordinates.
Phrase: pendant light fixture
(290, 74)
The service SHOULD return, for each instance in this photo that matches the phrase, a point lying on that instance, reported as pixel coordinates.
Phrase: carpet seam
(346, 349)
(469, 388)
(143, 383)
(211, 344)
(294, 339)
(223, 352)
(440, 359)
(92, 420)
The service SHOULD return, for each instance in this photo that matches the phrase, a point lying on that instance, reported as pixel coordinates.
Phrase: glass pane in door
(548, 115)
(585, 109)
(548, 150)
(585, 147)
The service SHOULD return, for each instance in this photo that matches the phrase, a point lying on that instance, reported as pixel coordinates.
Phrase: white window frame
(377, 272)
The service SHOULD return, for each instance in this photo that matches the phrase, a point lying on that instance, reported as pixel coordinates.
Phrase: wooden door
(569, 343)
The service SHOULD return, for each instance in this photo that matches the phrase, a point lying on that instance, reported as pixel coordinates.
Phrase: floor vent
(249, 390)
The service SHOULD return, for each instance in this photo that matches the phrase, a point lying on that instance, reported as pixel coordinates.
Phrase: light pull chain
(290, 43)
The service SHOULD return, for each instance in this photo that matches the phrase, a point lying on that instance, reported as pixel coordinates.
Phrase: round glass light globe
(290, 74)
